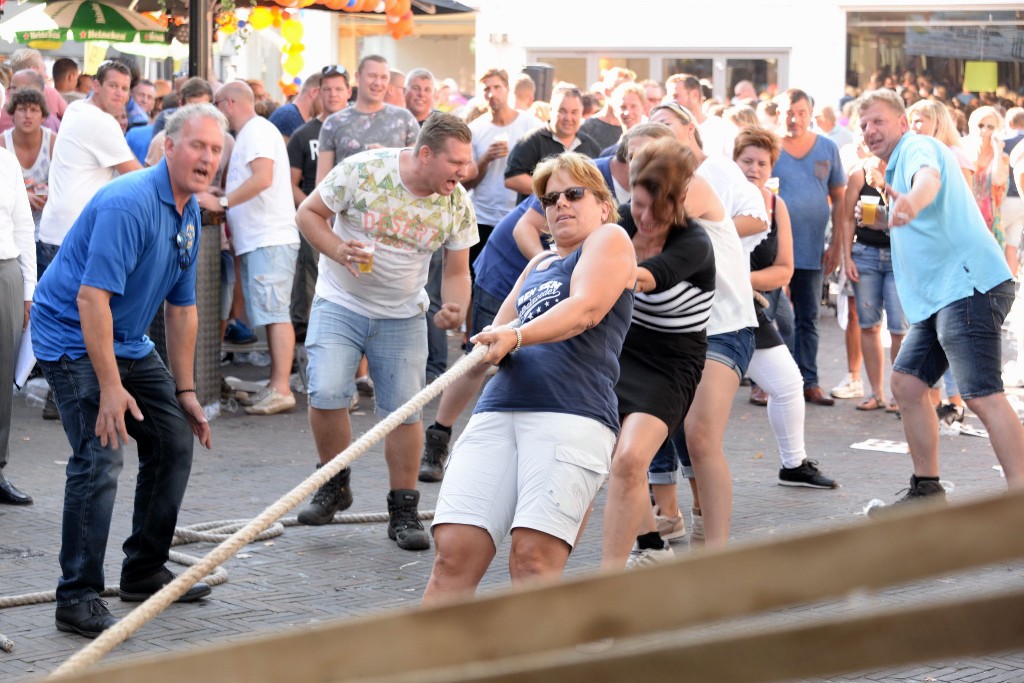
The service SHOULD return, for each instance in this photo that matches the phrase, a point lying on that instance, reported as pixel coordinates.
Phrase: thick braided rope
(159, 601)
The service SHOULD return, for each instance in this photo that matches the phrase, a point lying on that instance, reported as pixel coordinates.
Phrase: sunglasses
(333, 69)
(986, 126)
(181, 241)
(572, 194)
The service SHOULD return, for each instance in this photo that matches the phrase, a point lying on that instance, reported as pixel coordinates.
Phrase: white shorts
(538, 471)
(1013, 220)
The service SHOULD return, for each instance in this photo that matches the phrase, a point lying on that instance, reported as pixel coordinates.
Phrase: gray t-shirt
(349, 131)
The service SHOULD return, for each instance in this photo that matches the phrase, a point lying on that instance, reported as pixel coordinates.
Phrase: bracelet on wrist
(179, 392)
(519, 340)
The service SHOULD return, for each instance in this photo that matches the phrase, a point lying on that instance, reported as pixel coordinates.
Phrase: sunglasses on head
(572, 194)
(333, 69)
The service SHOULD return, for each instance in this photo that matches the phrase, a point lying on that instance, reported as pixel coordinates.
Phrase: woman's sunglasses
(572, 194)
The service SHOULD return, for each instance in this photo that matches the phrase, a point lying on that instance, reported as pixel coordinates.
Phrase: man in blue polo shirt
(955, 289)
(133, 247)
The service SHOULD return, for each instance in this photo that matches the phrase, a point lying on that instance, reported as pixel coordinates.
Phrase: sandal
(872, 402)
(892, 408)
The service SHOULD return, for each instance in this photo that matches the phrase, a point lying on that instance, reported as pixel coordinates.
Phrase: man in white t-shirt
(89, 152)
(404, 204)
(258, 200)
(717, 134)
(494, 134)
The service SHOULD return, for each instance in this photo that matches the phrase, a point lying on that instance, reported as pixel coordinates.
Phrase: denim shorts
(965, 336)
(338, 338)
(485, 308)
(877, 289)
(267, 276)
(732, 349)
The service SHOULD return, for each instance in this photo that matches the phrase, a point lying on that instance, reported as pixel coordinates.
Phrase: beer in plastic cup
(369, 248)
(772, 185)
(868, 208)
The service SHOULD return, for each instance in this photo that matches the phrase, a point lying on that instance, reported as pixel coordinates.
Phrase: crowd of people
(630, 255)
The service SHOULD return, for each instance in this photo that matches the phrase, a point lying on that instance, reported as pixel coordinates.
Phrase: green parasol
(93, 20)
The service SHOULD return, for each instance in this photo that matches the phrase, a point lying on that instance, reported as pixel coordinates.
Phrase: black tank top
(866, 236)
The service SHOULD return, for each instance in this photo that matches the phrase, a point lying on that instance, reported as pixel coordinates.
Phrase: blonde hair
(583, 171)
(937, 113)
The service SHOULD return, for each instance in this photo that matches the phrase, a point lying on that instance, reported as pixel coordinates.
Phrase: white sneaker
(649, 557)
(670, 528)
(848, 388)
(696, 528)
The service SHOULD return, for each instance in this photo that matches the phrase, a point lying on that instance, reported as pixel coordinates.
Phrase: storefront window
(569, 69)
(641, 66)
(701, 68)
(938, 47)
(763, 73)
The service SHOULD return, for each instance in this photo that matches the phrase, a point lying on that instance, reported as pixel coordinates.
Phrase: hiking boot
(669, 528)
(805, 474)
(404, 525)
(435, 454)
(332, 497)
(918, 491)
(649, 557)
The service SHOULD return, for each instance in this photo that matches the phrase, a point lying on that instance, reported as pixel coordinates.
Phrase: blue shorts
(485, 308)
(732, 349)
(966, 337)
(267, 276)
(337, 339)
(877, 289)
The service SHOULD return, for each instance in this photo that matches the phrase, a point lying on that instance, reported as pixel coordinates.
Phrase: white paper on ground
(26, 359)
(882, 445)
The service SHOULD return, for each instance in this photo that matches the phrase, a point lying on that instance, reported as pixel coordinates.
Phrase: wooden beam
(880, 639)
(738, 580)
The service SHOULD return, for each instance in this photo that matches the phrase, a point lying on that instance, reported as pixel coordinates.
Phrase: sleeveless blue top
(575, 376)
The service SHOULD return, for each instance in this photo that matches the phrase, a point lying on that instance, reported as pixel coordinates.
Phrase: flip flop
(892, 408)
(872, 402)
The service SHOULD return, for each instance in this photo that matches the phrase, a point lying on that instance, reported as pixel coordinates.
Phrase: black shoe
(950, 413)
(332, 497)
(141, 590)
(404, 524)
(435, 453)
(89, 618)
(50, 411)
(805, 474)
(918, 491)
(10, 495)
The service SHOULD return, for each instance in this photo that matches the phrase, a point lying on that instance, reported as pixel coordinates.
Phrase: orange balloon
(402, 6)
(389, 6)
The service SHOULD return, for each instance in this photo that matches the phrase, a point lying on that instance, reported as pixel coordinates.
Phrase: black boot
(404, 525)
(89, 618)
(332, 497)
(435, 453)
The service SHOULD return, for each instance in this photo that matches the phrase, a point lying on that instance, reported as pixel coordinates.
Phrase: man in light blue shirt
(955, 289)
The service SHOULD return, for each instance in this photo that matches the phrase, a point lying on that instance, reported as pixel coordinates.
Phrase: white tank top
(37, 174)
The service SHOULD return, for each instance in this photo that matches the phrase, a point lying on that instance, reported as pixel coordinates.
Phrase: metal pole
(199, 38)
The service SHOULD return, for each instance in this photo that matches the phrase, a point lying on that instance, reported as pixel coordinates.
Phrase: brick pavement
(310, 575)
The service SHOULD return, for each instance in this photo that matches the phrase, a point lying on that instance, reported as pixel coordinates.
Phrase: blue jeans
(164, 440)
(437, 339)
(964, 336)
(805, 290)
(45, 253)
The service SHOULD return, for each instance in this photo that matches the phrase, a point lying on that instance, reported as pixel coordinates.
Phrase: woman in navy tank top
(539, 444)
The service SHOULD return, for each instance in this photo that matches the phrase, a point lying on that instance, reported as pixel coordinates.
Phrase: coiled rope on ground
(260, 527)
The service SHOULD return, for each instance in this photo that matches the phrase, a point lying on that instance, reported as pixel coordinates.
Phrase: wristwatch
(224, 202)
